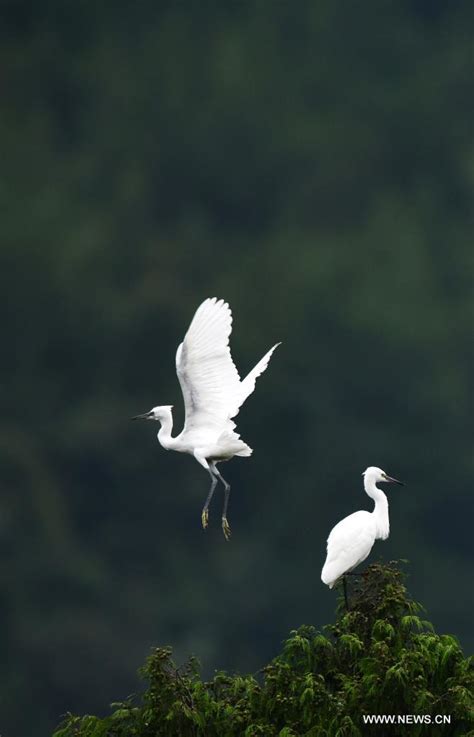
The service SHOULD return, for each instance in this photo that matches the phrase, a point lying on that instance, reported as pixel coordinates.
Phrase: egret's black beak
(146, 416)
(390, 480)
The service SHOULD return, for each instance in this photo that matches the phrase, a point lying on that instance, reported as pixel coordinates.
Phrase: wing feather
(210, 383)
(208, 377)
(349, 543)
(247, 385)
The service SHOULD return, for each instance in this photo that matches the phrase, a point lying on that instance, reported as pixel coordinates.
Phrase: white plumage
(213, 394)
(351, 540)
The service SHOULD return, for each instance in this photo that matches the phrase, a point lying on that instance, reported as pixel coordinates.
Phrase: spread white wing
(211, 385)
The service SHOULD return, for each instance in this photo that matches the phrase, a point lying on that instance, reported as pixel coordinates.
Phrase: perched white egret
(213, 393)
(352, 539)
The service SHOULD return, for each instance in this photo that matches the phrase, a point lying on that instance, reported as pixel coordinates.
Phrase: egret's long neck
(164, 433)
(381, 508)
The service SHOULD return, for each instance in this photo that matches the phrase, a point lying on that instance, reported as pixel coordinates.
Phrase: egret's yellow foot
(204, 518)
(225, 528)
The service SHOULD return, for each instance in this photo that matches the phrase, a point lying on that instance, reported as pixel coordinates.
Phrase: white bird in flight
(213, 394)
(352, 539)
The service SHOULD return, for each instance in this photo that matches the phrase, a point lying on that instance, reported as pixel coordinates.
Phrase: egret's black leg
(345, 591)
(205, 509)
(225, 524)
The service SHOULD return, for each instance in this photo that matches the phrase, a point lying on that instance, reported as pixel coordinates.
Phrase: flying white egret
(352, 539)
(213, 393)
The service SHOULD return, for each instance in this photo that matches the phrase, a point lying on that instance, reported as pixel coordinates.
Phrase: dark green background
(310, 162)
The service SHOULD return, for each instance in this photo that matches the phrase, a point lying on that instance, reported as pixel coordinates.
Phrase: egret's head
(157, 413)
(372, 473)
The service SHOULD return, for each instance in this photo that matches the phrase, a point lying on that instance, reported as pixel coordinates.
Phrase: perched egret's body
(213, 394)
(351, 540)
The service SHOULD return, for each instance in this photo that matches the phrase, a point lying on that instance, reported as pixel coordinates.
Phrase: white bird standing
(352, 539)
(213, 394)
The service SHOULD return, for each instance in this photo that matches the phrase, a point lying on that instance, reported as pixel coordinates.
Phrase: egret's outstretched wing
(209, 380)
(247, 385)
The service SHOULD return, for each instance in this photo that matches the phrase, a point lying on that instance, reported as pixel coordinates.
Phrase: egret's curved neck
(164, 433)
(381, 507)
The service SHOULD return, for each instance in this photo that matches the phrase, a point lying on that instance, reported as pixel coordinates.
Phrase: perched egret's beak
(390, 480)
(146, 416)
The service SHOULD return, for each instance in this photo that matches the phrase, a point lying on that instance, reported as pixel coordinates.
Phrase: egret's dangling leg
(345, 591)
(205, 509)
(225, 524)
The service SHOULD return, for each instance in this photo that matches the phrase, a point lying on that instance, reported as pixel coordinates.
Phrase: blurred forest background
(310, 162)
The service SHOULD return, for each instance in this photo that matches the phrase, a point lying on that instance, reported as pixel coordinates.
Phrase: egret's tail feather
(245, 452)
(233, 442)
(328, 576)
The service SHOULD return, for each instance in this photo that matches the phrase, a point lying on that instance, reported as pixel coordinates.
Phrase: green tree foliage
(380, 657)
